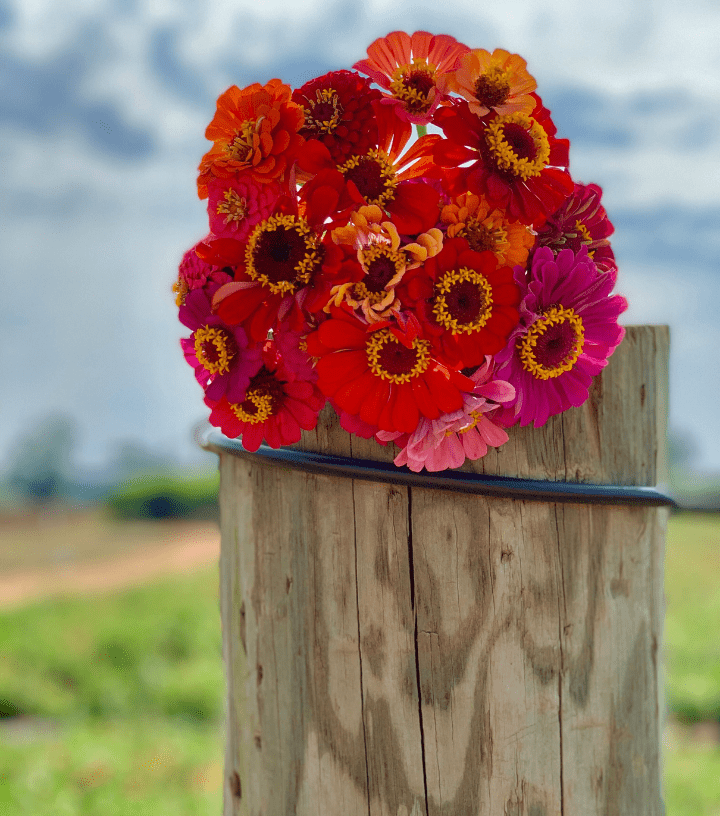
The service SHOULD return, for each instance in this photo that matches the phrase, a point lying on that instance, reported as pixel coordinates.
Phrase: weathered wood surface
(531, 630)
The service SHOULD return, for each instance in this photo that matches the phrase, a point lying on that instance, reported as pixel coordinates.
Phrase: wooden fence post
(402, 651)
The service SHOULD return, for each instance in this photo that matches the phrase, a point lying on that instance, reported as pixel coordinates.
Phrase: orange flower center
(492, 88)
(181, 290)
(482, 237)
(390, 360)
(553, 343)
(463, 300)
(412, 84)
(282, 253)
(215, 348)
(262, 399)
(323, 114)
(233, 207)
(373, 175)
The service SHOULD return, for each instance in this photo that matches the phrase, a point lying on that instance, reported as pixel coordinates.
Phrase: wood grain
(406, 651)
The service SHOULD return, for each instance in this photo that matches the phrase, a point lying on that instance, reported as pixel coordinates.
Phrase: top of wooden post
(616, 437)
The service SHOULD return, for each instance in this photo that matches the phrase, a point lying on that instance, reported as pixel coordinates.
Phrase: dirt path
(83, 553)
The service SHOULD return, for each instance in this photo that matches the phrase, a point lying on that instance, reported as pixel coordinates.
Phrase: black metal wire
(504, 487)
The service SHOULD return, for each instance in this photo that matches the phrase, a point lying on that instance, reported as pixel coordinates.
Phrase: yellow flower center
(383, 267)
(463, 300)
(214, 348)
(412, 84)
(373, 175)
(323, 114)
(553, 343)
(282, 253)
(390, 360)
(243, 144)
(257, 407)
(234, 207)
(518, 145)
(584, 235)
(493, 87)
(476, 416)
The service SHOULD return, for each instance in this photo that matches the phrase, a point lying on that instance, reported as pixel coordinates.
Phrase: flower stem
(421, 130)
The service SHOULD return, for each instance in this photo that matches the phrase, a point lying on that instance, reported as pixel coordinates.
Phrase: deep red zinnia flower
(468, 302)
(383, 176)
(386, 376)
(276, 407)
(580, 221)
(514, 160)
(339, 113)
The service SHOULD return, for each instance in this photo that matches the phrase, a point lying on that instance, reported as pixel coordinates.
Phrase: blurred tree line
(136, 483)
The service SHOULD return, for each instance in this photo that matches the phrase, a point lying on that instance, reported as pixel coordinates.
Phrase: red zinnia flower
(282, 271)
(469, 303)
(386, 376)
(408, 67)
(254, 130)
(339, 113)
(514, 161)
(276, 407)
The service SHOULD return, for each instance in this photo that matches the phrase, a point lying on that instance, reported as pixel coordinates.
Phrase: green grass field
(113, 704)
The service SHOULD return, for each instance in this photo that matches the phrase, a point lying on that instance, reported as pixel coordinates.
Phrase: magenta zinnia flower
(195, 273)
(568, 329)
(581, 220)
(448, 441)
(219, 353)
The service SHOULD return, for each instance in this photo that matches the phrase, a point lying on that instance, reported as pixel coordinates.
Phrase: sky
(103, 106)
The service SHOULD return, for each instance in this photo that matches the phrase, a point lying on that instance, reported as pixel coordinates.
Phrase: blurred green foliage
(692, 621)
(166, 495)
(149, 652)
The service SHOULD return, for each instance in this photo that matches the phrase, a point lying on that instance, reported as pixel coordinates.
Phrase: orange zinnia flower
(497, 81)
(487, 228)
(408, 67)
(254, 130)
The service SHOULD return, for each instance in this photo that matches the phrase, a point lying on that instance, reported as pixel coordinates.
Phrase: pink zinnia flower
(448, 441)
(581, 220)
(568, 329)
(194, 273)
(408, 67)
(237, 204)
(219, 353)
(274, 408)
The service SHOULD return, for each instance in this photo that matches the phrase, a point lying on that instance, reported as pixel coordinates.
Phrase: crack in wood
(359, 641)
(561, 630)
(417, 647)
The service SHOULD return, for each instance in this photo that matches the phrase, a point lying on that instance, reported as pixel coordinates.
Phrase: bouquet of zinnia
(435, 287)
